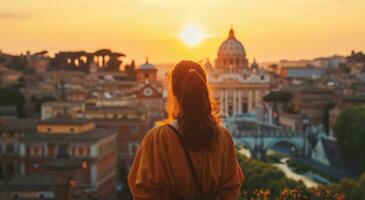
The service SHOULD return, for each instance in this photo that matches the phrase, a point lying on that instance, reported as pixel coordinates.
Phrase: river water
(307, 181)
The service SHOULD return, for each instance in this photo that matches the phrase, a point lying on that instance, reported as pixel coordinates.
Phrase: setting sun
(192, 35)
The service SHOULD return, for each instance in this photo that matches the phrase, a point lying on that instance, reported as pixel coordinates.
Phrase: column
(226, 103)
(103, 61)
(270, 114)
(239, 102)
(234, 102)
(249, 109)
(256, 97)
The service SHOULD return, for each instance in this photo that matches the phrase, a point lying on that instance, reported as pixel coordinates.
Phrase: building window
(15, 195)
(132, 148)
(84, 164)
(81, 151)
(73, 151)
(244, 107)
(10, 148)
(100, 150)
(10, 168)
(134, 129)
(35, 165)
(36, 151)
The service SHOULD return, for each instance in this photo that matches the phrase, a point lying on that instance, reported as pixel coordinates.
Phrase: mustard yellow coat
(160, 167)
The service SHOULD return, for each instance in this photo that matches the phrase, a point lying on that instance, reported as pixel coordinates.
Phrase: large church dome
(231, 53)
(231, 47)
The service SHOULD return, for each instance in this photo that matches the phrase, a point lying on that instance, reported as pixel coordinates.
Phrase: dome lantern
(231, 33)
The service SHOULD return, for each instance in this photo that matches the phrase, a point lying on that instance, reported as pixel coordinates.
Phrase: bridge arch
(245, 144)
(298, 147)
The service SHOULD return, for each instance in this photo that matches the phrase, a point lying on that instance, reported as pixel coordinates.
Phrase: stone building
(93, 148)
(55, 109)
(147, 74)
(238, 87)
(130, 122)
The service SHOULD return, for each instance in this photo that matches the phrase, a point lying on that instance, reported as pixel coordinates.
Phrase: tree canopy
(353, 189)
(278, 96)
(350, 133)
(10, 96)
(261, 175)
(39, 101)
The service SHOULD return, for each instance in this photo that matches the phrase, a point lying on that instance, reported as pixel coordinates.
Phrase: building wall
(146, 76)
(55, 109)
(303, 72)
(98, 162)
(70, 129)
(9, 154)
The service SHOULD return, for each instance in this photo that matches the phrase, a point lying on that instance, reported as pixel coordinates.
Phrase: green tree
(39, 101)
(264, 176)
(10, 96)
(362, 184)
(276, 98)
(350, 132)
(350, 188)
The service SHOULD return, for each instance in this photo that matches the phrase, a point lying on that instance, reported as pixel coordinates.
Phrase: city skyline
(87, 88)
(269, 30)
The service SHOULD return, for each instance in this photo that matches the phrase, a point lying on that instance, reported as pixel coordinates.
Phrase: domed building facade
(238, 87)
(231, 54)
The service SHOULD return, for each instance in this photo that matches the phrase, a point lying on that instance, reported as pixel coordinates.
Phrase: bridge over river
(259, 142)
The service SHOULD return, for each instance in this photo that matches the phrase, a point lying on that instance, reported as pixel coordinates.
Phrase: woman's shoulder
(224, 133)
(157, 133)
(223, 130)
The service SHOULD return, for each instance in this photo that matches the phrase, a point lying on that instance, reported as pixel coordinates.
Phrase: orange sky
(270, 30)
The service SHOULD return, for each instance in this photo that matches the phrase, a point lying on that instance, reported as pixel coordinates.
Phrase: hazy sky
(269, 29)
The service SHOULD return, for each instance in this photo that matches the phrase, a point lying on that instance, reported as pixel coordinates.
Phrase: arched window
(10, 148)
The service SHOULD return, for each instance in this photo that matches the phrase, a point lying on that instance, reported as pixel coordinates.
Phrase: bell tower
(147, 73)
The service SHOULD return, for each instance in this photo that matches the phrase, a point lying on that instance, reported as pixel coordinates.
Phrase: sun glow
(192, 35)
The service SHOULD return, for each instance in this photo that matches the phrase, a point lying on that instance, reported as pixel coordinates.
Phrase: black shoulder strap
(192, 169)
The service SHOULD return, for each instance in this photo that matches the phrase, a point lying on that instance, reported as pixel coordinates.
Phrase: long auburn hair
(191, 103)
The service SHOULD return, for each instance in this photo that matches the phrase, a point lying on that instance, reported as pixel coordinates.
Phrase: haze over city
(182, 99)
(270, 29)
